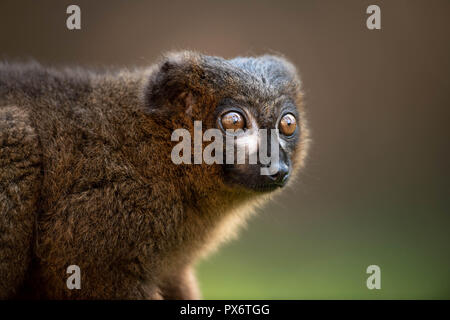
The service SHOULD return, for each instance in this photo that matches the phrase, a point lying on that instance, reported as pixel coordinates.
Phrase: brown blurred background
(376, 188)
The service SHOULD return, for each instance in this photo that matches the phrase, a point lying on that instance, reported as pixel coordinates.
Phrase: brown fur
(86, 177)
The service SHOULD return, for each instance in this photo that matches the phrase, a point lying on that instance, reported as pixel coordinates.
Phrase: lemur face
(254, 102)
(257, 132)
(268, 121)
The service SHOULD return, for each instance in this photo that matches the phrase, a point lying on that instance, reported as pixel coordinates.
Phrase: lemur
(86, 176)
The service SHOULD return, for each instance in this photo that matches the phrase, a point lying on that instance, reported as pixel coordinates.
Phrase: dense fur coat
(86, 176)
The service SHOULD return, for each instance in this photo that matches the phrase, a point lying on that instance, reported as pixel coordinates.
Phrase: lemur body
(86, 176)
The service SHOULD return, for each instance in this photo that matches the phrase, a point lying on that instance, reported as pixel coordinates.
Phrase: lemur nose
(282, 175)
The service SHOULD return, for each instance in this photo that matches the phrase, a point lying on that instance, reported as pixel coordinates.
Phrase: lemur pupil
(232, 120)
(288, 124)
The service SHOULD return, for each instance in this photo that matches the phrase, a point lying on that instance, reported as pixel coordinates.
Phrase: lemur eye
(288, 124)
(233, 120)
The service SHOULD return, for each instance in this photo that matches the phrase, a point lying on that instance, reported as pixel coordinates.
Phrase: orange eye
(233, 120)
(288, 125)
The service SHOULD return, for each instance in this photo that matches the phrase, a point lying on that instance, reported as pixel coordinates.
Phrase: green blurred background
(376, 186)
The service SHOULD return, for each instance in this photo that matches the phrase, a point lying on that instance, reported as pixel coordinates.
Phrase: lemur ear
(174, 84)
(279, 69)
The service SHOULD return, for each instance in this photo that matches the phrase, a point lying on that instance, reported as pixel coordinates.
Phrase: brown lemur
(87, 179)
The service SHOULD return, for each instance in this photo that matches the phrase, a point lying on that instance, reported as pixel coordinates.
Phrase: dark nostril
(282, 174)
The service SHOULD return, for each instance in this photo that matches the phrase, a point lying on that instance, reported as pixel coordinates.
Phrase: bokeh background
(376, 188)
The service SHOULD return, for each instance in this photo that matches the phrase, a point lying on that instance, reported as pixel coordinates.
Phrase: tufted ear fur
(175, 84)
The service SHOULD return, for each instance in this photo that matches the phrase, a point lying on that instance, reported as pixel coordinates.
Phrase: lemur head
(241, 94)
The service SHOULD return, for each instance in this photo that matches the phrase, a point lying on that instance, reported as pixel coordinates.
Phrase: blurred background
(376, 186)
